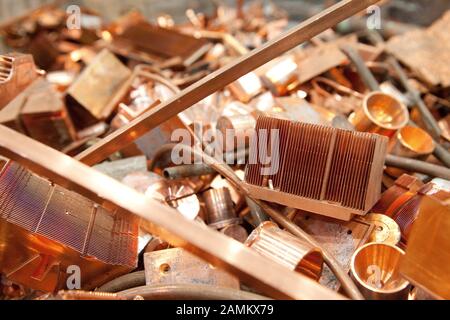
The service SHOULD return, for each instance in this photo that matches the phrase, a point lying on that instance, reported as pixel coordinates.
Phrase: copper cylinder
(220, 208)
(282, 247)
(235, 130)
(375, 269)
(235, 231)
(412, 142)
(380, 113)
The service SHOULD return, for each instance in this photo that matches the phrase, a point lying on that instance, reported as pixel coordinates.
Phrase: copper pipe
(284, 248)
(412, 142)
(380, 113)
(189, 292)
(418, 166)
(375, 269)
(347, 284)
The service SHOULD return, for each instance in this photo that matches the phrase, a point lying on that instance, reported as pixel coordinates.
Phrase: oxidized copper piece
(220, 208)
(178, 266)
(324, 170)
(427, 259)
(380, 113)
(282, 247)
(375, 267)
(45, 228)
(17, 71)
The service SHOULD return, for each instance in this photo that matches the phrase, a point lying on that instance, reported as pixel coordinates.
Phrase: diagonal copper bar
(222, 77)
(272, 279)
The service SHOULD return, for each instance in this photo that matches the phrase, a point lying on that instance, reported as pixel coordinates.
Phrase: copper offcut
(178, 266)
(220, 208)
(17, 71)
(427, 260)
(328, 171)
(45, 229)
(235, 131)
(235, 231)
(380, 113)
(412, 142)
(246, 87)
(282, 76)
(375, 268)
(282, 247)
(386, 230)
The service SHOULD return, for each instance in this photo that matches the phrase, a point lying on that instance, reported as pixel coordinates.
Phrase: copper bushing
(282, 247)
(380, 113)
(220, 208)
(375, 270)
(412, 142)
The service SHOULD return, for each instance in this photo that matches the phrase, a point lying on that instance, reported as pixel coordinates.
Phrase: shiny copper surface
(380, 113)
(375, 268)
(220, 208)
(162, 221)
(283, 248)
(386, 230)
(412, 142)
(324, 170)
(44, 229)
(427, 260)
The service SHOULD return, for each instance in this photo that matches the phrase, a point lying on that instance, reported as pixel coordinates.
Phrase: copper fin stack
(45, 229)
(328, 171)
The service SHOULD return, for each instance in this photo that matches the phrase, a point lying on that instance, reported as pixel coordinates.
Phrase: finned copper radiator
(45, 228)
(324, 170)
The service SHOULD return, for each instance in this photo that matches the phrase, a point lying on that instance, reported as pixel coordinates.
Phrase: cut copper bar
(177, 266)
(224, 76)
(45, 228)
(90, 89)
(280, 246)
(17, 71)
(324, 170)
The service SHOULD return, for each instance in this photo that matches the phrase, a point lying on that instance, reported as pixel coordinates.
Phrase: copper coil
(375, 269)
(380, 113)
(282, 247)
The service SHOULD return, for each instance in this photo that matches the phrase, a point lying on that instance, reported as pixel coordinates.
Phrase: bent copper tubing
(347, 284)
(127, 281)
(418, 166)
(189, 292)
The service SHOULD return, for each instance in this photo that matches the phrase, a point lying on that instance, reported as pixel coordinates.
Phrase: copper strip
(222, 77)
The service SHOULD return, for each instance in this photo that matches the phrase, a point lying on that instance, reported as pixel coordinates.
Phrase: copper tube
(380, 113)
(412, 142)
(375, 269)
(220, 208)
(418, 166)
(282, 247)
(235, 131)
(347, 284)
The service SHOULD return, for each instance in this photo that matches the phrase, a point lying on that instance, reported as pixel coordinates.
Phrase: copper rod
(222, 77)
(161, 220)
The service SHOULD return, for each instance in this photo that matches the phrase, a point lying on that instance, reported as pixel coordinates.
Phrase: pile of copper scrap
(135, 164)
